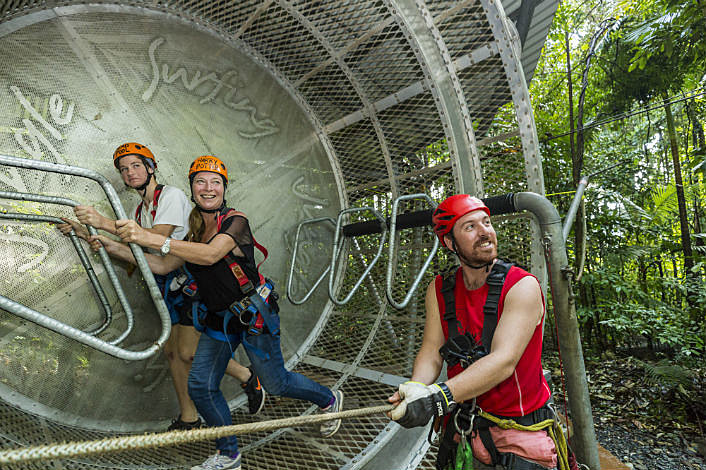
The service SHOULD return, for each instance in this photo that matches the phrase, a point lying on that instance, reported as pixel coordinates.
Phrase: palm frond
(667, 374)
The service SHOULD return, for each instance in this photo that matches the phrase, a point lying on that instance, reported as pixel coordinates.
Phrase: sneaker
(179, 425)
(255, 394)
(329, 428)
(219, 462)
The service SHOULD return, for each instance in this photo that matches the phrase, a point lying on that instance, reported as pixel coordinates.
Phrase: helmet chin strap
(465, 261)
(142, 189)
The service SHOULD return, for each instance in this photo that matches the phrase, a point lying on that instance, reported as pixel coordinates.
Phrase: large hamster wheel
(315, 106)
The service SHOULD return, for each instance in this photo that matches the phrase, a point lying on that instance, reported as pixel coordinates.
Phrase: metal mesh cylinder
(314, 107)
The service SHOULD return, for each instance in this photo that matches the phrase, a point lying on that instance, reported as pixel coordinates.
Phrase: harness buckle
(463, 349)
(247, 312)
(190, 289)
(239, 307)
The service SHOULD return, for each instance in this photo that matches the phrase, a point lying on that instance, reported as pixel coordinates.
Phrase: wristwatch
(165, 247)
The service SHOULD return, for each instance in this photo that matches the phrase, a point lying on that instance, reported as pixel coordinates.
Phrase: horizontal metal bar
(74, 333)
(478, 55)
(362, 372)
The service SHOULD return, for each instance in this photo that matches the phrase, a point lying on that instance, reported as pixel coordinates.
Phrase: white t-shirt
(173, 208)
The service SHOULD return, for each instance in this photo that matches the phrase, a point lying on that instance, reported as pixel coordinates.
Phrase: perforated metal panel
(314, 106)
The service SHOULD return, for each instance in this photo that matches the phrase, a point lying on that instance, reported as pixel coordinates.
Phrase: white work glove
(421, 402)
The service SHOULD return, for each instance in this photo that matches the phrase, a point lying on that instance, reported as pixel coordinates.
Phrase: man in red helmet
(484, 320)
(165, 210)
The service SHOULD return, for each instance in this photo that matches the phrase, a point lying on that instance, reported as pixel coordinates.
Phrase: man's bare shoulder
(525, 296)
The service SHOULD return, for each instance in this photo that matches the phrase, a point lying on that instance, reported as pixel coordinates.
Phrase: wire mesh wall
(315, 106)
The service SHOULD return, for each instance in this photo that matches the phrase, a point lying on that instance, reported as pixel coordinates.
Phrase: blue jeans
(209, 366)
(279, 381)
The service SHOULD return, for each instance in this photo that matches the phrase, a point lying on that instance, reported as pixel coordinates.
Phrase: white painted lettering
(263, 125)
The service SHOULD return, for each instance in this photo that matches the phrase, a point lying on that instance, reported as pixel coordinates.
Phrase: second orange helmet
(209, 163)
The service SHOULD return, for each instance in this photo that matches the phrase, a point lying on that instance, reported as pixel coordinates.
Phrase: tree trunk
(663, 296)
(698, 145)
(683, 218)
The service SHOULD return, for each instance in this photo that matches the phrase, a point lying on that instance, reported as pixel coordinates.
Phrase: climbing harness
(155, 201)
(257, 310)
(181, 295)
(542, 419)
(464, 348)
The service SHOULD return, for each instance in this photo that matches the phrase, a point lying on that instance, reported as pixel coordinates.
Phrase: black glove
(422, 402)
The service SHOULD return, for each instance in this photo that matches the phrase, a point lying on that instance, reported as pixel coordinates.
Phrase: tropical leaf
(665, 203)
(667, 374)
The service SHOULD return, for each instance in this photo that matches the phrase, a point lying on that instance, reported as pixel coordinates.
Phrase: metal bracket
(82, 256)
(105, 259)
(393, 228)
(337, 248)
(294, 257)
(69, 331)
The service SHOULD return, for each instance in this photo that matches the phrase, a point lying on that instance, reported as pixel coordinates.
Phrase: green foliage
(666, 373)
(635, 291)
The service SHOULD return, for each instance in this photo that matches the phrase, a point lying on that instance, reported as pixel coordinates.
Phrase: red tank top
(526, 389)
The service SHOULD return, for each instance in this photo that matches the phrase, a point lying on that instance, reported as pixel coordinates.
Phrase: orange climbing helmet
(133, 148)
(208, 163)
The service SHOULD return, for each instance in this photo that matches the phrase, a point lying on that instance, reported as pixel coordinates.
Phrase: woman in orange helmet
(163, 210)
(219, 251)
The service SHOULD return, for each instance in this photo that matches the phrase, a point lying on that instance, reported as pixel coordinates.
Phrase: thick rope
(148, 441)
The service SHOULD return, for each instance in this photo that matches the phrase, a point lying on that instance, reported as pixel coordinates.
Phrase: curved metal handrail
(337, 251)
(105, 258)
(140, 259)
(393, 228)
(82, 256)
(294, 257)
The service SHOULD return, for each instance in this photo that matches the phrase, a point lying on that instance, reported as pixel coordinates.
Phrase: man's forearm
(426, 370)
(480, 377)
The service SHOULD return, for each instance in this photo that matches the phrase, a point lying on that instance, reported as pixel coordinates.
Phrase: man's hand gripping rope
(418, 403)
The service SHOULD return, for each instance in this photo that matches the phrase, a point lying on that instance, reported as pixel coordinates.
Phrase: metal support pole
(569, 219)
(584, 440)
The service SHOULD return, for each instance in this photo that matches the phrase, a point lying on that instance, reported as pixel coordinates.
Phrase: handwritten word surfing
(263, 126)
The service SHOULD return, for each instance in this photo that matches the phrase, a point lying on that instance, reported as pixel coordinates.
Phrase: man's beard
(470, 259)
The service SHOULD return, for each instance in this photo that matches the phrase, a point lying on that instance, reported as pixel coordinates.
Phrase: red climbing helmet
(453, 208)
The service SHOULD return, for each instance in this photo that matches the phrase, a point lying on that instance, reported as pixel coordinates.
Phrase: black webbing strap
(495, 282)
(448, 285)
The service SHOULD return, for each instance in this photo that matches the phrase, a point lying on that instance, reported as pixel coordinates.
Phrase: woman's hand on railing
(78, 229)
